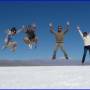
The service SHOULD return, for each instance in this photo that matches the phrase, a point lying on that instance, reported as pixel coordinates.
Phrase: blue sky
(18, 14)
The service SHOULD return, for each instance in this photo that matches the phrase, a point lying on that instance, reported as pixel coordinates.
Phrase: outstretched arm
(51, 28)
(67, 27)
(78, 28)
(21, 29)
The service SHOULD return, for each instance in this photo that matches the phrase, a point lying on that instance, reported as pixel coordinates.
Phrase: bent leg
(12, 45)
(26, 40)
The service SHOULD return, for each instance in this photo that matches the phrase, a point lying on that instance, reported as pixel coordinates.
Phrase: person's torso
(87, 40)
(30, 34)
(9, 37)
(59, 37)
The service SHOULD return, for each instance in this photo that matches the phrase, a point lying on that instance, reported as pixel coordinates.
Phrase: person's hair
(13, 29)
(85, 34)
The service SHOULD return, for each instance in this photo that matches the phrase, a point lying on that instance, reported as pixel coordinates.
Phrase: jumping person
(59, 36)
(9, 42)
(30, 37)
(86, 39)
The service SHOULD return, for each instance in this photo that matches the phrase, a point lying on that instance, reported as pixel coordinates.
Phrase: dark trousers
(86, 48)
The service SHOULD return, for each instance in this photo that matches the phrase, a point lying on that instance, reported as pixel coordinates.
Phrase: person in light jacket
(86, 39)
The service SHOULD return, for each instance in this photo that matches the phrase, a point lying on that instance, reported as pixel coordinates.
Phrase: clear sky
(18, 14)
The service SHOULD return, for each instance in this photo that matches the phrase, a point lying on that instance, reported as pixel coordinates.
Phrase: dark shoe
(54, 57)
(67, 58)
(82, 62)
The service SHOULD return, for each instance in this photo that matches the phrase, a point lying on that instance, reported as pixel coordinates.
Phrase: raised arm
(78, 29)
(51, 28)
(67, 27)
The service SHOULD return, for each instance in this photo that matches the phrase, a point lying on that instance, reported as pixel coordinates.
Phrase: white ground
(45, 77)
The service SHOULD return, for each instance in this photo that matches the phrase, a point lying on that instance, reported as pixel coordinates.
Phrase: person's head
(59, 28)
(85, 34)
(13, 30)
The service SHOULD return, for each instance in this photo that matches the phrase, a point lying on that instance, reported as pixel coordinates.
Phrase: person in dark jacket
(30, 37)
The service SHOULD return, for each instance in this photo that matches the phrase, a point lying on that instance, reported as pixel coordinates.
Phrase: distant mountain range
(58, 62)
